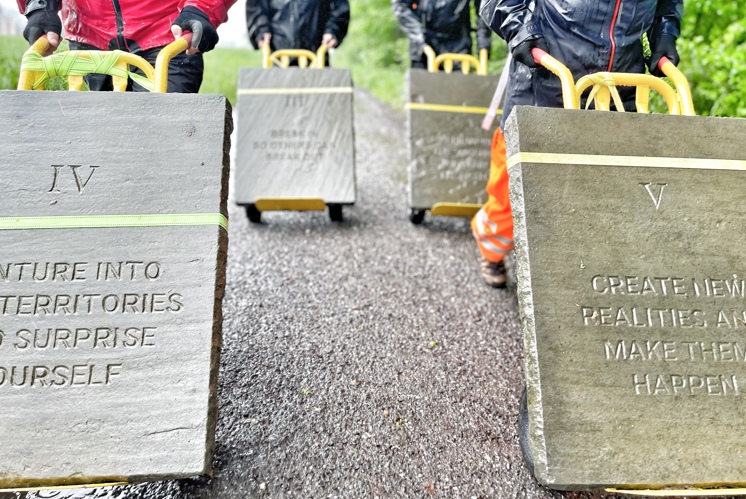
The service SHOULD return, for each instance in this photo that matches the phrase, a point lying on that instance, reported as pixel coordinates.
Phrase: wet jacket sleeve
(411, 26)
(484, 33)
(667, 20)
(511, 19)
(339, 19)
(216, 10)
(257, 20)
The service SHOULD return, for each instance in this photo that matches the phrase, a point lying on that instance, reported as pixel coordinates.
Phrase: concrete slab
(112, 276)
(295, 135)
(631, 284)
(449, 153)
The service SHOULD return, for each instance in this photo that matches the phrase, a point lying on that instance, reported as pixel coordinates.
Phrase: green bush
(375, 50)
(713, 56)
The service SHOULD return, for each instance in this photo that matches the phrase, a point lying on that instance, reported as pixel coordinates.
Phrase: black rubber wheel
(335, 212)
(416, 216)
(523, 437)
(254, 215)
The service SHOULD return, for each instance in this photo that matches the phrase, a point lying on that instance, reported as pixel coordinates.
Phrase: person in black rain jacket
(586, 36)
(297, 24)
(444, 25)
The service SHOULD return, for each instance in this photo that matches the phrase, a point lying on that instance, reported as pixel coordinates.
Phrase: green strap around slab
(107, 221)
(69, 63)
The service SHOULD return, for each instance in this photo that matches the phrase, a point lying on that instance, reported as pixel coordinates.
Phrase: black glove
(522, 51)
(665, 46)
(42, 18)
(204, 34)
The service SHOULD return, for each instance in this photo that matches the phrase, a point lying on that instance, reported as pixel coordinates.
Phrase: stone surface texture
(631, 291)
(109, 342)
(449, 152)
(297, 141)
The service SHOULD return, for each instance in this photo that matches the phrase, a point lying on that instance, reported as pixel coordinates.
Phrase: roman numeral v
(657, 197)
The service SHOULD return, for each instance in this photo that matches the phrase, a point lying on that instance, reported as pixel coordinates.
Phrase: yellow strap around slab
(467, 210)
(643, 161)
(290, 204)
(680, 493)
(300, 90)
(419, 106)
(109, 221)
(79, 63)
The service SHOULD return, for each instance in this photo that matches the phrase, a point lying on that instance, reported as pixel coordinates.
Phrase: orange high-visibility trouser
(492, 226)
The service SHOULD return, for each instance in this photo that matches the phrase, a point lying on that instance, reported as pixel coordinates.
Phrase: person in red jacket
(136, 26)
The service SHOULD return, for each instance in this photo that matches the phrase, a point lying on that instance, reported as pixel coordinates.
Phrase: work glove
(416, 46)
(665, 46)
(522, 51)
(42, 19)
(329, 40)
(265, 39)
(204, 34)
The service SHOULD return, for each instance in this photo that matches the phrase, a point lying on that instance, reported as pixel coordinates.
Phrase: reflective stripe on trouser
(492, 226)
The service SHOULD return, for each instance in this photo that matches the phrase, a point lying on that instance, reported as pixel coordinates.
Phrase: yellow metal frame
(603, 87)
(158, 75)
(448, 59)
(306, 58)
(467, 210)
(290, 204)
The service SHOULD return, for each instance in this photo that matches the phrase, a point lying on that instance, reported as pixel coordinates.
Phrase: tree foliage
(713, 55)
(374, 35)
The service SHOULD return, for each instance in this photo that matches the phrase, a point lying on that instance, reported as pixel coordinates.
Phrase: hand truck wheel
(335, 212)
(416, 216)
(254, 215)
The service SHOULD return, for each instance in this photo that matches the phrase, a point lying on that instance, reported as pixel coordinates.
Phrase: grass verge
(386, 84)
(11, 51)
(221, 70)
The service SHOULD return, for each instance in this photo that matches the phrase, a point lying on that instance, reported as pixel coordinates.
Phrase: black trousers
(184, 72)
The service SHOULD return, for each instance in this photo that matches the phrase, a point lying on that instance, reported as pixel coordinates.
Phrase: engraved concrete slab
(449, 153)
(110, 306)
(632, 291)
(295, 135)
